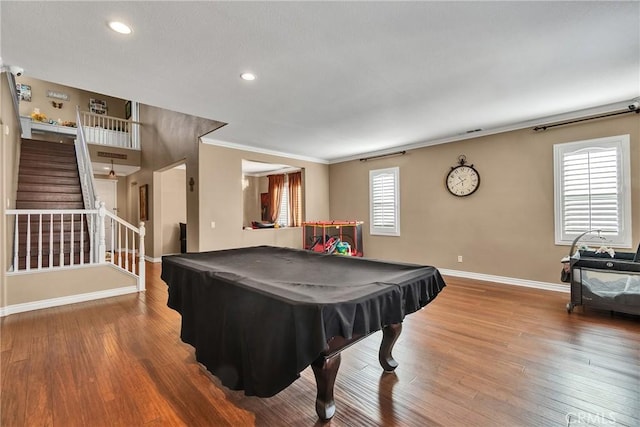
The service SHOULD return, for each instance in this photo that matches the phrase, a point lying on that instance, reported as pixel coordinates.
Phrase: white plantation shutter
(592, 189)
(384, 201)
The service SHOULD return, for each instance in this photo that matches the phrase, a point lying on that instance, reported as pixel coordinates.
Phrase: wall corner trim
(507, 280)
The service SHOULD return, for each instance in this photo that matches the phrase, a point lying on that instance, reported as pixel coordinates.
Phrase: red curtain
(276, 185)
(295, 199)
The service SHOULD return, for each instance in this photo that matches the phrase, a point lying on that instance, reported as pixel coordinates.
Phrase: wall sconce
(191, 184)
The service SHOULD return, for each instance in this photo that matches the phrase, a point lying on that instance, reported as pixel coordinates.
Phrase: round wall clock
(462, 180)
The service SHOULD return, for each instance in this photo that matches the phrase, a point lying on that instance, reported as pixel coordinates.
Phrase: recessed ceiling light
(120, 27)
(248, 76)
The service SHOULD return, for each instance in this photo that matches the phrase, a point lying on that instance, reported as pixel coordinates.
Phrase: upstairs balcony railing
(106, 130)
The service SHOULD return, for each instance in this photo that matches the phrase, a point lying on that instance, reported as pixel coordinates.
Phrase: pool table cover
(259, 316)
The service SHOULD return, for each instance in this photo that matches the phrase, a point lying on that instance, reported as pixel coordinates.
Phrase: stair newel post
(101, 233)
(141, 268)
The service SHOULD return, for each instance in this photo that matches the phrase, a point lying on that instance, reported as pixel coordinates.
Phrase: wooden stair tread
(54, 180)
(49, 172)
(49, 188)
(39, 204)
(48, 197)
(45, 164)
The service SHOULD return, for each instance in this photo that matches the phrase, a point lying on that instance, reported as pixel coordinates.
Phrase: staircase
(48, 179)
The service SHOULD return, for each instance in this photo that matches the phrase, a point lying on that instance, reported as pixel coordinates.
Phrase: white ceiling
(336, 80)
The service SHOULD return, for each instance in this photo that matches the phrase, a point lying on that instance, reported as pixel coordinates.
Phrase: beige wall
(167, 138)
(9, 160)
(251, 200)
(173, 207)
(506, 228)
(221, 199)
(59, 283)
(77, 97)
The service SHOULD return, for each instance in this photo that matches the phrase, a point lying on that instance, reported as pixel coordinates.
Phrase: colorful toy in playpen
(338, 237)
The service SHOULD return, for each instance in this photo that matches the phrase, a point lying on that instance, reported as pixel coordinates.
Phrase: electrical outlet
(213, 224)
(459, 258)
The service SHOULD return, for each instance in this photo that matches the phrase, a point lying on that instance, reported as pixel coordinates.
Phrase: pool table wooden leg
(390, 335)
(325, 370)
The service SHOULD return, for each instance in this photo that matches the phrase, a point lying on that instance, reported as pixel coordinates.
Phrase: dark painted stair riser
(48, 179)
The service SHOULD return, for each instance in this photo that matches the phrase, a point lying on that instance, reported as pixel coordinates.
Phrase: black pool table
(259, 316)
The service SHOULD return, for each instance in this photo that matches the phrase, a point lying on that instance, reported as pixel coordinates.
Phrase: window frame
(379, 230)
(622, 145)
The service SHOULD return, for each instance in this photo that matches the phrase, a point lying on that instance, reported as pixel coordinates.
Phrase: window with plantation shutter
(384, 201)
(592, 190)
(283, 215)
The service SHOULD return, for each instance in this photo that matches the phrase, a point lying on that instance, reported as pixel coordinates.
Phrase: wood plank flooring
(481, 354)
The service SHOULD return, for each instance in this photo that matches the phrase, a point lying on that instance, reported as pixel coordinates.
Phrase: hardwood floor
(481, 354)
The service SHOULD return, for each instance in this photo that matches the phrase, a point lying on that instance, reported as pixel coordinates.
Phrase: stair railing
(55, 238)
(84, 166)
(107, 130)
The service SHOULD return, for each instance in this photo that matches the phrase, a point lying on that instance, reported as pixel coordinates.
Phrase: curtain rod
(569, 122)
(397, 153)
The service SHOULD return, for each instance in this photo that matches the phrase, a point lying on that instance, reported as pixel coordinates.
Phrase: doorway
(172, 204)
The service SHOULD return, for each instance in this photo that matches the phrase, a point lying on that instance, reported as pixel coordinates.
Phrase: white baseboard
(507, 280)
(150, 259)
(72, 299)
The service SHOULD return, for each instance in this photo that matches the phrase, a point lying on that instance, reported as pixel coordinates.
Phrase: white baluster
(50, 240)
(126, 248)
(61, 240)
(119, 245)
(16, 242)
(92, 226)
(113, 239)
(71, 252)
(101, 232)
(81, 239)
(28, 258)
(40, 242)
(141, 267)
(133, 252)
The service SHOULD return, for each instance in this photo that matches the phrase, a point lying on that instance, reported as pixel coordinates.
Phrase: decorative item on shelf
(37, 116)
(112, 173)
